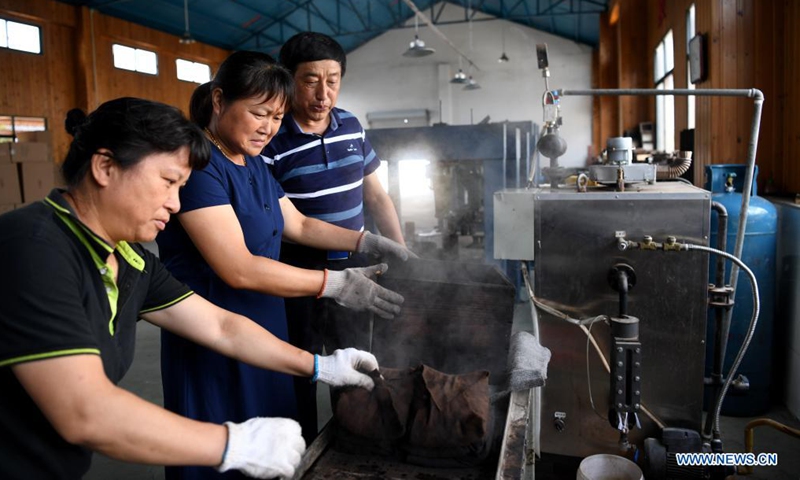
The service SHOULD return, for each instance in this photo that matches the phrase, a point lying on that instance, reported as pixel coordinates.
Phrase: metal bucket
(608, 467)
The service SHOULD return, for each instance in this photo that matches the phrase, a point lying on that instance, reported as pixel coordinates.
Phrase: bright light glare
(23, 37)
(416, 196)
(135, 59)
(124, 57)
(192, 71)
(414, 178)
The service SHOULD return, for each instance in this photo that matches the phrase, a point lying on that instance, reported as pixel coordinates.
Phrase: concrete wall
(379, 78)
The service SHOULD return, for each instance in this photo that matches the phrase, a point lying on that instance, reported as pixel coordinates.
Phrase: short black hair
(132, 129)
(311, 47)
(243, 74)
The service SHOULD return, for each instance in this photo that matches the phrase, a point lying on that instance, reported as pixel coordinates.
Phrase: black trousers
(317, 323)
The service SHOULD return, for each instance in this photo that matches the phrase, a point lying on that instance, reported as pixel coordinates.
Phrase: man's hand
(345, 367)
(263, 447)
(379, 246)
(355, 288)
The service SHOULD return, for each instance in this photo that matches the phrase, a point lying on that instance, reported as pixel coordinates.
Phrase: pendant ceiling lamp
(417, 47)
(460, 76)
(471, 84)
(186, 39)
(503, 57)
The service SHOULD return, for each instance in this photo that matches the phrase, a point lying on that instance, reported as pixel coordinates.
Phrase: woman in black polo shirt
(74, 285)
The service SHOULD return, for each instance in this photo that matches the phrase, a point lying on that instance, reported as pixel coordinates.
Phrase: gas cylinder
(759, 254)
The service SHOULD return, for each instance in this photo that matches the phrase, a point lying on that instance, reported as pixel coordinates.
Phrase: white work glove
(379, 246)
(263, 447)
(355, 288)
(345, 367)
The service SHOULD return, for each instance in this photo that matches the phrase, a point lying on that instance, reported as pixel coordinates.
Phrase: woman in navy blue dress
(226, 244)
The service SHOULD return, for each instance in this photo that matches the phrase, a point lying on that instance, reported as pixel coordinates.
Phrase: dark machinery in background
(468, 163)
(623, 256)
(458, 200)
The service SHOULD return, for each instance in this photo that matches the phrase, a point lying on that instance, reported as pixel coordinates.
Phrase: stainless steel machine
(572, 238)
(620, 283)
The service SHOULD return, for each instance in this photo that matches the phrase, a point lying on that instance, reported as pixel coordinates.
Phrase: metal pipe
(505, 154)
(722, 240)
(518, 145)
(746, 191)
(528, 151)
(749, 435)
(681, 92)
(622, 285)
(674, 169)
(719, 314)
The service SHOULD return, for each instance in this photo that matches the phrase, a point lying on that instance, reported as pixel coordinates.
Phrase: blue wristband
(227, 441)
(316, 368)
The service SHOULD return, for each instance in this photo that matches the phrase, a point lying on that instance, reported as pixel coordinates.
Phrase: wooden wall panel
(76, 66)
(41, 85)
(788, 162)
(164, 87)
(50, 11)
(633, 72)
(704, 105)
(769, 68)
(607, 68)
(750, 43)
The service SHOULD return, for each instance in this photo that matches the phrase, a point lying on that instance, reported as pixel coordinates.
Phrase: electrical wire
(582, 324)
(590, 339)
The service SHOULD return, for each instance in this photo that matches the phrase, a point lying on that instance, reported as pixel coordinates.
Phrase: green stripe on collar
(129, 254)
(112, 291)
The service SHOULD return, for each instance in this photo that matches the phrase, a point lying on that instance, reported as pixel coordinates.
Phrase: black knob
(559, 424)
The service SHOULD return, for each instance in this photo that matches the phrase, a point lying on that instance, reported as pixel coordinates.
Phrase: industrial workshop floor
(144, 379)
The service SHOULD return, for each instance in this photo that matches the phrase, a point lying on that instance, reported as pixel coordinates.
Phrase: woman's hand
(380, 246)
(355, 288)
(346, 367)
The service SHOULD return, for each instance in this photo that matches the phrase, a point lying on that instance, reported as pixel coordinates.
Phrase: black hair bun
(75, 118)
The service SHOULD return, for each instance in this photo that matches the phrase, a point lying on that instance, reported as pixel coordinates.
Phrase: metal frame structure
(265, 26)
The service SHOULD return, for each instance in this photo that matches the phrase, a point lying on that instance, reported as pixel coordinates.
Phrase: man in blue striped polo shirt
(326, 166)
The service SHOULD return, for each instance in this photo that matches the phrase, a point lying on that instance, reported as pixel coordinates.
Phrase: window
(665, 104)
(12, 126)
(690, 101)
(135, 59)
(193, 71)
(20, 36)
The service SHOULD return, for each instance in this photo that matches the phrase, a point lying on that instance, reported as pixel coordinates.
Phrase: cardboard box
(9, 184)
(39, 137)
(5, 152)
(6, 208)
(37, 180)
(30, 152)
